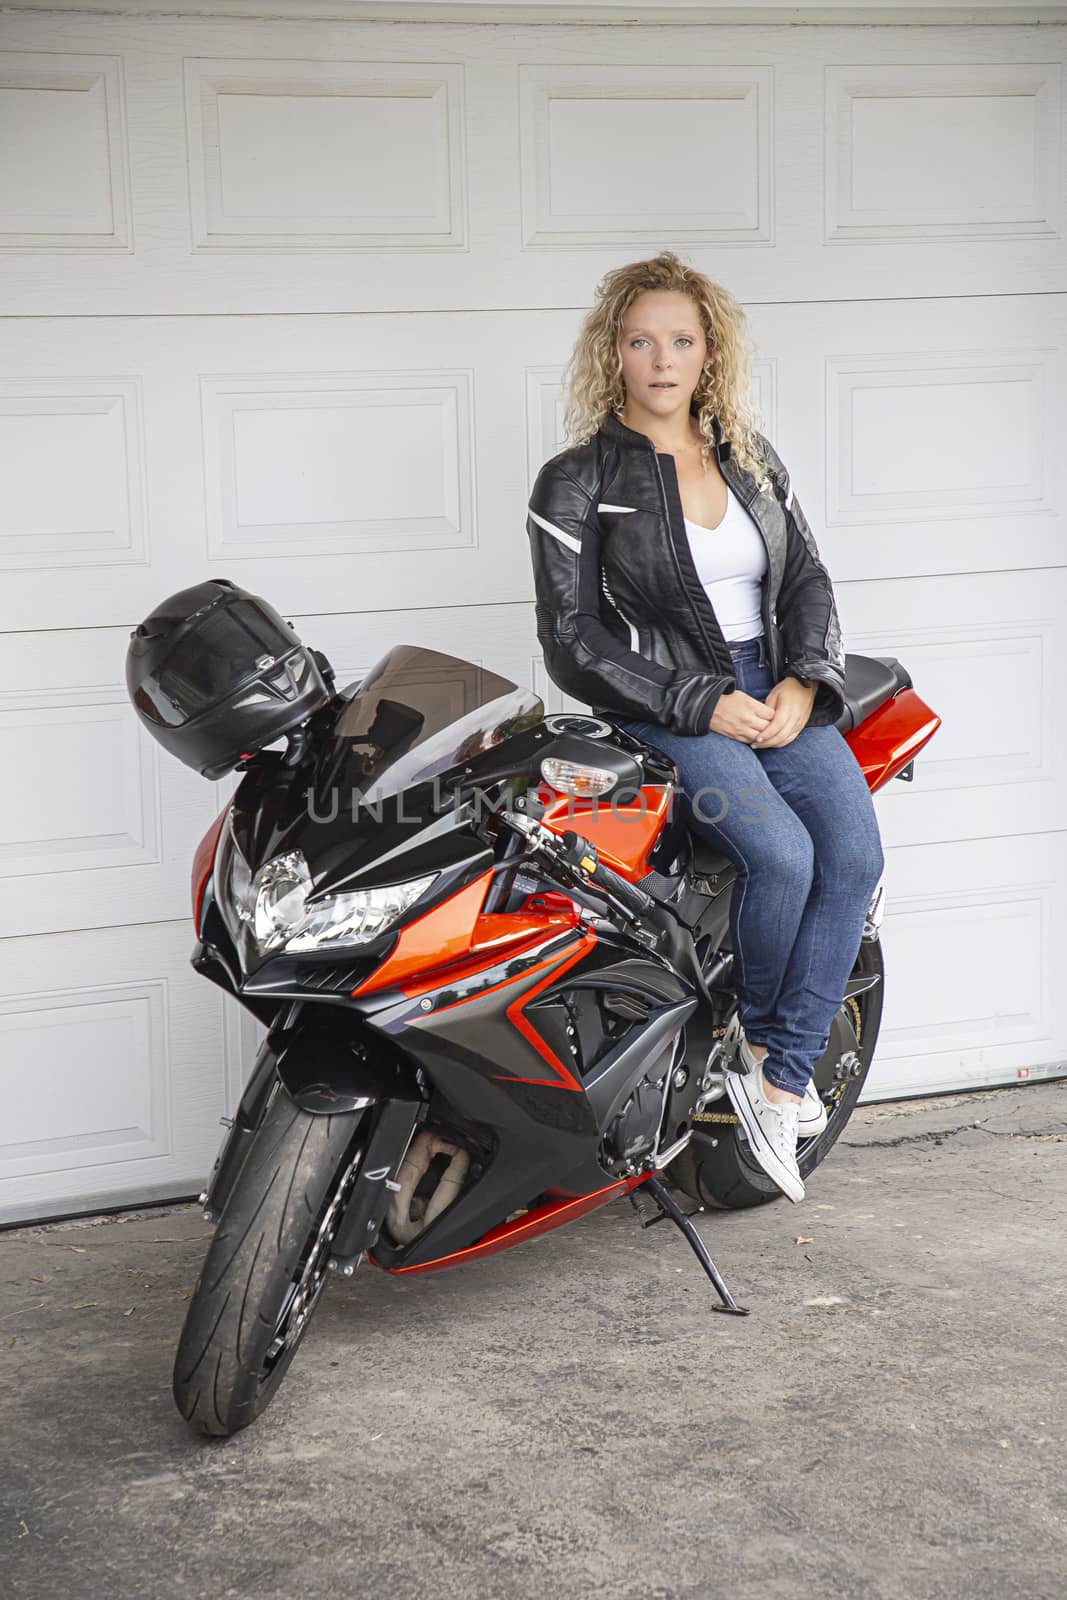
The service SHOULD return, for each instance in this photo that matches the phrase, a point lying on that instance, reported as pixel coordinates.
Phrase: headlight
(282, 918)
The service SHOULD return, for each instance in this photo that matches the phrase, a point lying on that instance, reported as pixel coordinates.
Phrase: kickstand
(669, 1208)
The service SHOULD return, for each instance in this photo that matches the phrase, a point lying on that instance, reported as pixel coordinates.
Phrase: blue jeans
(800, 824)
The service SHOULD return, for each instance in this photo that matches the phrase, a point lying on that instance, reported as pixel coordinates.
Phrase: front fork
(293, 1063)
(238, 1142)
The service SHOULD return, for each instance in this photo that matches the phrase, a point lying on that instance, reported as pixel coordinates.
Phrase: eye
(640, 339)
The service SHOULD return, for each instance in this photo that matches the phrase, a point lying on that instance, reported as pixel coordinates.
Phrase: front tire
(717, 1167)
(266, 1266)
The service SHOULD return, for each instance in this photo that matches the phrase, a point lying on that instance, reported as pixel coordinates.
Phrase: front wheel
(717, 1167)
(266, 1266)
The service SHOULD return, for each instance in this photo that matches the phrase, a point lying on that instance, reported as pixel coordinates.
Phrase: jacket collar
(612, 427)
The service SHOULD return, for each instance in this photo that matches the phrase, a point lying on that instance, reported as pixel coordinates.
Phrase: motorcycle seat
(869, 682)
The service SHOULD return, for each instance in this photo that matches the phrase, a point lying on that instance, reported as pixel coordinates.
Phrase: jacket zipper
(709, 641)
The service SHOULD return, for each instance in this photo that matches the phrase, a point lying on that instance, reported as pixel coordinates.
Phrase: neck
(670, 435)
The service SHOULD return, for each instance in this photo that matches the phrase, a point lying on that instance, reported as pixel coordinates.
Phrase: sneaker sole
(764, 1152)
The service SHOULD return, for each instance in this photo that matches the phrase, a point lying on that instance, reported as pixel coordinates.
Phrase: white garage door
(289, 302)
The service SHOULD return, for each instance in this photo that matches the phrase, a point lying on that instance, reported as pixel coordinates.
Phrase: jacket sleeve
(806, 608)
(582, 656)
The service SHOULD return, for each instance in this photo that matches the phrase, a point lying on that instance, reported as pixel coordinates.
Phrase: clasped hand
(765, 724)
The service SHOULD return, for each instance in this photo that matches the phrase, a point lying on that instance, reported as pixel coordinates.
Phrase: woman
(681, 594)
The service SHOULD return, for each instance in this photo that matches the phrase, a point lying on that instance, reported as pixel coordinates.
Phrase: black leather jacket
(622, 617)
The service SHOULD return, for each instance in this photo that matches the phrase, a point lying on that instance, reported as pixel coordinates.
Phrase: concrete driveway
(570, 1419)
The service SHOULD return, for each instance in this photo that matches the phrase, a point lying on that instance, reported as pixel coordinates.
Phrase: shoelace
(786, 1119)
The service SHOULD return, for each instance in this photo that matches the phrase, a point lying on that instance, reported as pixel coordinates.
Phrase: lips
(663, 386)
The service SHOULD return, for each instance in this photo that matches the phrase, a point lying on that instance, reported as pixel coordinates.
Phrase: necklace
(694, 445)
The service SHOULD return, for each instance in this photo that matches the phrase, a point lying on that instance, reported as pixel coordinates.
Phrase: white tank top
(730, 561)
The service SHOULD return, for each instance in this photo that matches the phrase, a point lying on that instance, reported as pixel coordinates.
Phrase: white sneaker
(811, 1119)
(771, 1128)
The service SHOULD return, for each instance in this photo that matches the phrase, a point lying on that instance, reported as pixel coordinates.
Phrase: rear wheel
(266, 1266)
(717, 1167)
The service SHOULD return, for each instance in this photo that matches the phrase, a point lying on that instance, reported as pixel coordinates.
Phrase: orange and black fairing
(203, 861)
(625, 832)
(514, 1030)
(467, 982)
(552, 1213)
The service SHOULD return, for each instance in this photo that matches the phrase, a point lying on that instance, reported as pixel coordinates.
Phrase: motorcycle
(495, 970)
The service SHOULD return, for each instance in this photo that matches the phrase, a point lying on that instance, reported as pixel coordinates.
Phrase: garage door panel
(66, 116)
(277, 154)
(265, 159)
(974, 150)
(924, 437)
(569, 114)
(92, 514)
(981, 649)
(112, 1069)
(321, 466)
(97, 824)
(364, 459)
(972, 936)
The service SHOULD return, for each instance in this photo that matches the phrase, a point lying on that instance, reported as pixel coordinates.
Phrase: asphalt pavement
(569, 1419)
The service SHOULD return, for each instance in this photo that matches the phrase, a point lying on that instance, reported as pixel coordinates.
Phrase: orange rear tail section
(892, 736)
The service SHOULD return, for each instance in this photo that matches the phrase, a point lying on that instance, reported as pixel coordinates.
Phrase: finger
(787, 735)
(783, 734)
(770, 732)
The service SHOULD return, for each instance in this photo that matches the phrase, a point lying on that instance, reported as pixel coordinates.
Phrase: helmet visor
(230, 645)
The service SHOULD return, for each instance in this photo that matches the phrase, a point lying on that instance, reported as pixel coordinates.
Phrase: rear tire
(717, 1167)
(266, 1266)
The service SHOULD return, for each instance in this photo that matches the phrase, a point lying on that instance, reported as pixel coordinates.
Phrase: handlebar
(580, 857)
(581, 853)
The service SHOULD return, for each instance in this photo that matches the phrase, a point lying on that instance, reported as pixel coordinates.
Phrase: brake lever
(542, 841)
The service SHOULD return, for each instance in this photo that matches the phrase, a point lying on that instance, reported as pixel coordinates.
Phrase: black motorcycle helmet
(214, 673)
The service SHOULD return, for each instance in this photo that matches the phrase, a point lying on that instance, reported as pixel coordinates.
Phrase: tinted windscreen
(419, 713)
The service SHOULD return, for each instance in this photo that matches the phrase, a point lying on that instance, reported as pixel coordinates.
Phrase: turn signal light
(570, 778)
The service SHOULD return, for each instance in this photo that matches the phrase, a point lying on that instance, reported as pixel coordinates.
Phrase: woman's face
(662, 349)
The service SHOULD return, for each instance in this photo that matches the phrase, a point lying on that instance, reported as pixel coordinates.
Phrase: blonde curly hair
(593, 376)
